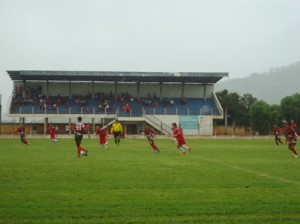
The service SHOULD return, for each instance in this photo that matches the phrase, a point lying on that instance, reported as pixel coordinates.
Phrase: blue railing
(193, 107)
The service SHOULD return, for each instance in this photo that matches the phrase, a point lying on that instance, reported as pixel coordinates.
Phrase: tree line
(249, 112)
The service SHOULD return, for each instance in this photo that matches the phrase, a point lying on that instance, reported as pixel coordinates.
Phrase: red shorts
(180, 141)
(102, 140)
(52, 136)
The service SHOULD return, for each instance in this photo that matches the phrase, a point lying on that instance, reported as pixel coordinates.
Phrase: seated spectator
(183, 101)
(172, 103)
(100, 107)
(54, 106)
(107, 108)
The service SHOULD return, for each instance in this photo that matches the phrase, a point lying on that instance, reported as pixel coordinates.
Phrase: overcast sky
(235, 36)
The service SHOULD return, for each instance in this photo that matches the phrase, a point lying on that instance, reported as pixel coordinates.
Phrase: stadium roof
(169, 77)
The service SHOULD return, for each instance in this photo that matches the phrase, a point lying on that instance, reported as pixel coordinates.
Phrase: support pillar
(116, 90)
(160, 91)
(70, 90)
(138, 90)
(45, 125)
(70, 128)
(93, 90)
(47, 88)
(182, 90)
(93, 124)
(24, 89)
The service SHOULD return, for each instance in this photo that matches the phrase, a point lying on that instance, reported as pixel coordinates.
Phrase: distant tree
(290, 108)
(260, 117)
(246, 101)
(230, 104)
(236, 108)
(275, 116)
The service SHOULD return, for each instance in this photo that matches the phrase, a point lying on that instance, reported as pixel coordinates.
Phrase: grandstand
(136, 98)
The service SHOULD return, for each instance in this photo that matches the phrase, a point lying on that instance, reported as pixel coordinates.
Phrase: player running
(22, 132)
(52, 133)
(79, 128)
(149, 133)
(277, 134)
(102, 133)
(291, 139)
(178, 134)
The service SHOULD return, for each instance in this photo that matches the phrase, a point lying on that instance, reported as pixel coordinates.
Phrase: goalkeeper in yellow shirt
(117, 130)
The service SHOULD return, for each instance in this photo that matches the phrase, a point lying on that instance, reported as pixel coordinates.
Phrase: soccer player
(293, 125)
(285, 130)
(178, 134)
(52, 133)
(22, 132)
(277, 134)
(102, 133)
(117, 130)
(79, 128)
(291, 139)
(149, 133)
(173, 138)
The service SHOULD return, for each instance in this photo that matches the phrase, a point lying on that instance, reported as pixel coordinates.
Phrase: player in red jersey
(149, 133)
(277, 134)
(22, 132)
(79, 128)
(291, 139)
(178, 134)
(102, 133)
(293, 125)
(52, 133)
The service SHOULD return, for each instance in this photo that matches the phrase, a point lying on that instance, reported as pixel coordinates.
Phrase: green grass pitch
(221, 181)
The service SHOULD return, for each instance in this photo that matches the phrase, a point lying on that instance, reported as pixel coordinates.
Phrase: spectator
(127, 109)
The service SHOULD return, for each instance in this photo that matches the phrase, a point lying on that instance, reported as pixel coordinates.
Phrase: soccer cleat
(296, 156)
(86, 152)
(183, 152)
(190, 149)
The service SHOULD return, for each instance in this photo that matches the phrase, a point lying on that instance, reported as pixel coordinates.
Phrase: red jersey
(102, 135)
(294, 126)
(291, 134)
(178, 134)
(149, 133)
(21, 130)
(277, 131)
(51, 131)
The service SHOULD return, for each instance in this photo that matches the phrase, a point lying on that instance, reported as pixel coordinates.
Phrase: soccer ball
(84, 153)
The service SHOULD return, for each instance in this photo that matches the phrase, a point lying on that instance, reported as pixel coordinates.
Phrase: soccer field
(221, 181)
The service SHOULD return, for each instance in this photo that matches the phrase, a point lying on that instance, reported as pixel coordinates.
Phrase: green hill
(269, 86)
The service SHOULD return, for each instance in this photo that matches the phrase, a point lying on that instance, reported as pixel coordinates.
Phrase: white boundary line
(255, 173)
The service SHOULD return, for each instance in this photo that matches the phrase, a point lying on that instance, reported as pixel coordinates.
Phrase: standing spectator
(127, 109)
